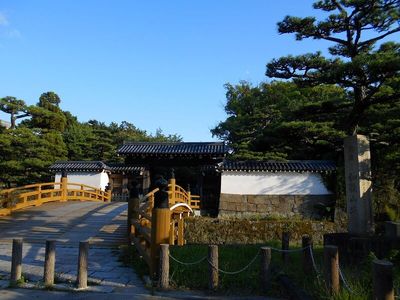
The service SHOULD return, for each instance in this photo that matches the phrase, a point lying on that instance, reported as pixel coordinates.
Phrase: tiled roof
(78, 166)
(320, 166)
(121, 167)
(180, 149)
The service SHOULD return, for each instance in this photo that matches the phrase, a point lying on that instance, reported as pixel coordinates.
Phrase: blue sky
(156, 64)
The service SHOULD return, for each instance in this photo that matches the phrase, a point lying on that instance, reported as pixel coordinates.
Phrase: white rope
(235, 272)
(289, 250)
(188, 263)
(345, 281)
(313, 260)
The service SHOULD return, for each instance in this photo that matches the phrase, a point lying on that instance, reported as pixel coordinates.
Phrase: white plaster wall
(97, 180)
(267, 183)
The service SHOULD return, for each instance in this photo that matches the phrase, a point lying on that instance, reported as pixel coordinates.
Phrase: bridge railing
(39, 193)
(181, 204)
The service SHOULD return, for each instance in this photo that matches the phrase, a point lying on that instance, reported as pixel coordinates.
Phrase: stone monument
(358, 185)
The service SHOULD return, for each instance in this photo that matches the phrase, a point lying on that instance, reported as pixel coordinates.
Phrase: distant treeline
(46, 134)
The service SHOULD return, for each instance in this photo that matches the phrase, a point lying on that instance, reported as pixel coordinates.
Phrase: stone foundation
(309, 206)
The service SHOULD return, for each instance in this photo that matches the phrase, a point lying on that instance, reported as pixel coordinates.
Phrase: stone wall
(308, 206)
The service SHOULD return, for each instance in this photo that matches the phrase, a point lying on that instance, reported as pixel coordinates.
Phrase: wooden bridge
(40, 193)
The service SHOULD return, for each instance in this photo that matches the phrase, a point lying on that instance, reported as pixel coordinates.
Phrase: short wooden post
(213, 267)
(181, 239)
(49, 263)
(285, 246)
(83, 265)
(382, 280)
(306, 243)
(16, 261)
(164, 266)
(265, 268)
(331, 268)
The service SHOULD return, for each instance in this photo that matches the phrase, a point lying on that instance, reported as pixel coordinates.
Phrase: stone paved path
(104, 225)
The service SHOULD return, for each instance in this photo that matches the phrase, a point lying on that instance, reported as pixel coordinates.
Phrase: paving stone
(4, 284)
(101, 288)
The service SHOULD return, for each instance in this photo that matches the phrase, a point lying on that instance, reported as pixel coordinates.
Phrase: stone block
(257, 199)
(262, 207)
(223, 205)
(231, 206)
(241, 207)
(232, 198)
(251, 207)
(358, 184)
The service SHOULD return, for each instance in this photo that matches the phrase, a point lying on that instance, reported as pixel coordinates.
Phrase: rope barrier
(188, 263)
(235, 272)
(313, 261)
(345, 282)
(289, 250)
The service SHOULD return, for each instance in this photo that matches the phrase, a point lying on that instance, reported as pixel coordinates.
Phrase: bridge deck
(102, 224)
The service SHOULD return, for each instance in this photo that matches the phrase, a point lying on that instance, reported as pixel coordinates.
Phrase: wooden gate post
(49, 263)
(382, 280)
(331, 268)
(160, 225)
(16, 261)
(213, 267)
(265, 268)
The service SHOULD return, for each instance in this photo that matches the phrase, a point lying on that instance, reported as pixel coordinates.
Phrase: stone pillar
(358, 184)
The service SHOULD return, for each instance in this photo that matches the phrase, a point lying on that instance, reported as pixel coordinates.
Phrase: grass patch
(130, 257)
(235, 257)
(231, 258)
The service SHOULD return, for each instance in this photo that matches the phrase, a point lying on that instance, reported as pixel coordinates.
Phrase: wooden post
(160, 225)
(181, 239)
(83, 265)
(382, 280)
(49, 263)
(16, 261)
(213, 267)
(265, 268)
(331, 269)
(130, 213)
(306, 243)
(171, 188)
(64, 187)
(164, 267)
(285, 246)
(172, 232)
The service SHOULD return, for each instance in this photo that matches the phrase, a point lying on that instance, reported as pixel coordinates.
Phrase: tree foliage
(369, 72)
(27, 149)
(354, 89)
(14, 107)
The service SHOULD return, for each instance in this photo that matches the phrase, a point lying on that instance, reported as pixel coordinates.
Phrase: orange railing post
(64, 187)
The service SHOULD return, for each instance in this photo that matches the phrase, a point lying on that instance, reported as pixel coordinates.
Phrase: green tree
(16, 108)
(27, 155)
(46, 114)
(279, 120)
(369, 73)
